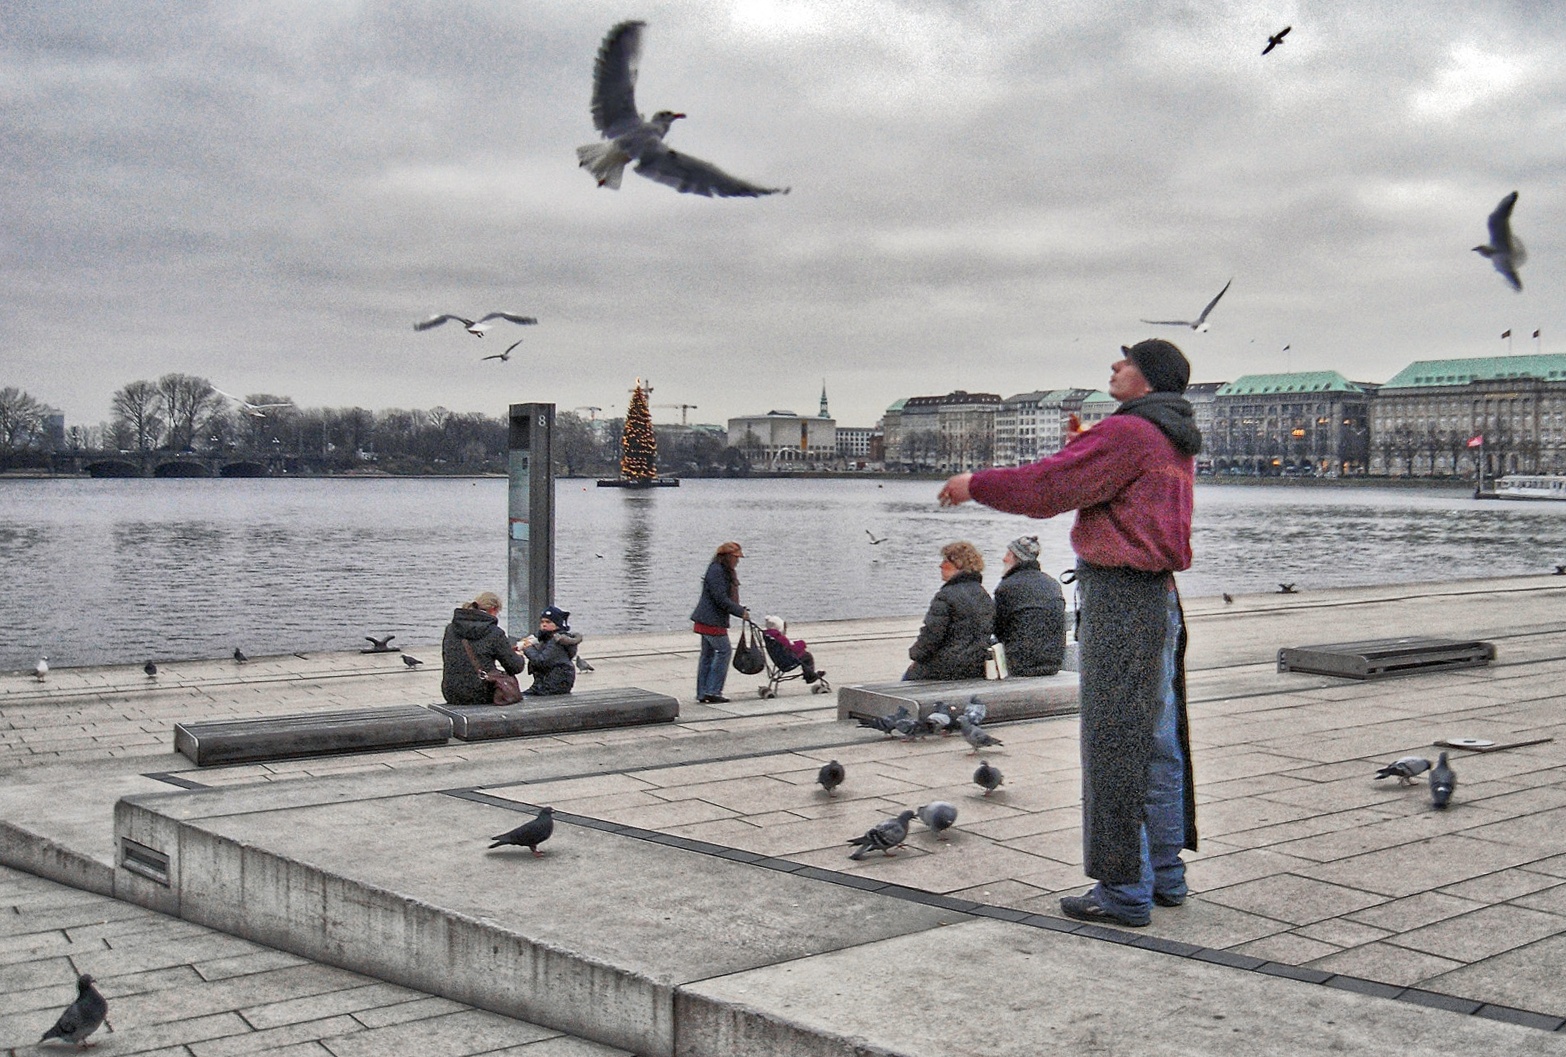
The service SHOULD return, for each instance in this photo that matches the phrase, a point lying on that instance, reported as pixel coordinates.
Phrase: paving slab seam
(1175, 948)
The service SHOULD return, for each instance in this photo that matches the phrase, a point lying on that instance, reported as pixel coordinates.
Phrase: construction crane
(592, 412)
(683, 408)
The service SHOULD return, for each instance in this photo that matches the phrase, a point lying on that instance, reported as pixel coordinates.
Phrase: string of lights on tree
(638, 444)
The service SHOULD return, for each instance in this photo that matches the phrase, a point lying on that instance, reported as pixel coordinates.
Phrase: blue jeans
(1163, 813)
(713, 667)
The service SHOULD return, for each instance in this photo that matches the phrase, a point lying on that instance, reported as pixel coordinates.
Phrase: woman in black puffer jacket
(475, 625)
(955, 637)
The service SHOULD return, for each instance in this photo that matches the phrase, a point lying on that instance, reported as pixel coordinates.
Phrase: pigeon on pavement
(151, 669)
(883, 836)
(529, 835)
(1404, 769)
(1505, 250)
(1276, 39)
(582, 665)
(630, 137)
(411, 662)
(977, 736)
(82, 1017)
(41, 669)
(475, 327)
(830, 776)
(939, 816)
(1199, 324)
(1442, 781)
(239, 656)
(988, 777)
(885, 724)
(938, 722)
(976, 711)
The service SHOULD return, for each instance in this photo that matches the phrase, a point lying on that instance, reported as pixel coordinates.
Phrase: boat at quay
(1527, 486)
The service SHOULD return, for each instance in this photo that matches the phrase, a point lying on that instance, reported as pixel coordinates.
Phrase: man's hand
(955, 490)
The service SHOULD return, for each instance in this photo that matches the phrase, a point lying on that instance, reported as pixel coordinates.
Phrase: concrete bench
(1024, 697)
(589, 710)
(220, 741)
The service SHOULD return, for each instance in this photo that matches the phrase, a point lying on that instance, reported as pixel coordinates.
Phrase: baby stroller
(782, 666)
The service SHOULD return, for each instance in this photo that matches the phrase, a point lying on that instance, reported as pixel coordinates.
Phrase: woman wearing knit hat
(1030, 612)
(1130, 479)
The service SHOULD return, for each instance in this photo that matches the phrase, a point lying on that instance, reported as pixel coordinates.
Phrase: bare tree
(21, 419)
(136, 416)
(185, 402)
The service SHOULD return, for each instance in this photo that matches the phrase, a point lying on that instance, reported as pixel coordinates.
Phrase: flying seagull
(1200, 324)
(1505, 250)
(873, 540)
(630, 137)
(82, 1017)
(475, 327)
(501, 356)
(529, 835)
(1276, 39)
(246, 407)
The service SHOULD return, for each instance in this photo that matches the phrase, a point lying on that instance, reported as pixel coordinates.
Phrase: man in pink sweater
(1130, 479)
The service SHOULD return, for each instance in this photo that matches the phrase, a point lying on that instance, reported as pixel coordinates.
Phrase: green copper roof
(1301, 382)
(1098, 397)
(897, 405)
(1420, 373)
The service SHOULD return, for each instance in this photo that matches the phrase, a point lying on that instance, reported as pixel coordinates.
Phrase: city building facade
(783, 440)
(1304, 424)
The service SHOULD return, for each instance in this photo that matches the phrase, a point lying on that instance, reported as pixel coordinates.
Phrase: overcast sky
(986, 195)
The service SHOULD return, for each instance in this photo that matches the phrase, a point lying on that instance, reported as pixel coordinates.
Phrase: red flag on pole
(1507, 334)
(1476, 441)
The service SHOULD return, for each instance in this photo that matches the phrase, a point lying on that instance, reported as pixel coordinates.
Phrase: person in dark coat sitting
(1030, 612)
(475, 625)
(551, 654)
(955, 637)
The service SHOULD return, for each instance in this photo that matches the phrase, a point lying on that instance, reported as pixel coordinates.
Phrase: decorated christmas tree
(638, 444)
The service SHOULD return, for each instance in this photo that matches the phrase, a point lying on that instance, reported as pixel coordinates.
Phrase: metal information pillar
(530, 534)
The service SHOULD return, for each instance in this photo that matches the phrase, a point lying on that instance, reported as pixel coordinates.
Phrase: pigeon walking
(530, 834)
(410, 661)
(41, 669)
(885, 724)
(239, 656)
(1404, 769)
(1442, 781)
(977, 736)
(988, 777)
(1199, 324)
(475, 327)
(630, 137)
(939, 816)
(938, 722)
(82, 1017)
(883, 836)
(582, 665)
(1505, 250)
(976, 711)
(151, 669)
(830, 776)
(1276, 39)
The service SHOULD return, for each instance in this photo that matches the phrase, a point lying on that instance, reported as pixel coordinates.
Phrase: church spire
(824, 412)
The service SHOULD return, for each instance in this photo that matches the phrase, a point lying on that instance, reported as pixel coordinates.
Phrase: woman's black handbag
(750, 656)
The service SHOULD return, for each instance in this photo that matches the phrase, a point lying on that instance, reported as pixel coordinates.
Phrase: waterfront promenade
(698, 862)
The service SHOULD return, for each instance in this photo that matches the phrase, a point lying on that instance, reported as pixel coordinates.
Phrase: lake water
(115, 571)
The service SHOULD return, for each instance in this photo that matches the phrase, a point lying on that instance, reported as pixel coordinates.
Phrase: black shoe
(717, 699)
(1086, 908)
(1167, 900)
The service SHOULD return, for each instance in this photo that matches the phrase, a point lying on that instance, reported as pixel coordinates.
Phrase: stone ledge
(1024, 697)
(532, 716)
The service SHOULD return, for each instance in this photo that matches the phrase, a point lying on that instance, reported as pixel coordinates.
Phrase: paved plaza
(1315, 885)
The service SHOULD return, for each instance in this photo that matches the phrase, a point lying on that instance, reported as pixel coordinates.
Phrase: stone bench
(1023, 697)
(589, 710)
(219, 741)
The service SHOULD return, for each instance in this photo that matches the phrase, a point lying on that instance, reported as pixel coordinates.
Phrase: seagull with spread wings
(501, 356)
(1276, 39)
(630, 137)
(1199, 324)
(245, 406)
(474, 327)
(1505, 250)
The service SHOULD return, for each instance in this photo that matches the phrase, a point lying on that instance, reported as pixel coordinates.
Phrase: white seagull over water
(501, 356)
(246, 407)
(1200, 324)
(1505, 250)
(630, 137)
(474, 327)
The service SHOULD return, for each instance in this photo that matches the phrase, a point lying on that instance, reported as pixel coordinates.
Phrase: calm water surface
(118, 571)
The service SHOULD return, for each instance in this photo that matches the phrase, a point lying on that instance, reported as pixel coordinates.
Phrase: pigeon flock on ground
(1443, 780)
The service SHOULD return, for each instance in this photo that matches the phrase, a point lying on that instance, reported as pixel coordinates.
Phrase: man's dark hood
(1171, 413)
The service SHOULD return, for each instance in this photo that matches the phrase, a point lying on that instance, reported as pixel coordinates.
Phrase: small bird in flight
(873, 540)
(1276, 39)
(246, 407)
(475, 327)
(630, 137)
(1200, 324)
(502, 356)
(1505, 250)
